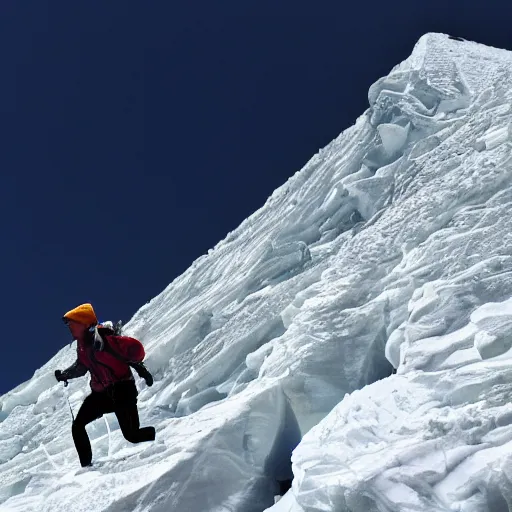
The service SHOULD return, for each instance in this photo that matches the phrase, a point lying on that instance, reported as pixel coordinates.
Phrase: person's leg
(125, 404)
(128, 418)
(93, 407)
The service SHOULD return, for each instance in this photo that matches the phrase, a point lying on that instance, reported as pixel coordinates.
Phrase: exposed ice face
(390, 248)
(437, 435)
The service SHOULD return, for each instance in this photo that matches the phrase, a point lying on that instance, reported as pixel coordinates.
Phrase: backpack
(108, 328)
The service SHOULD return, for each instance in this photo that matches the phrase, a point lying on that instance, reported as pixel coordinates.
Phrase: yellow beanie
(83, 314)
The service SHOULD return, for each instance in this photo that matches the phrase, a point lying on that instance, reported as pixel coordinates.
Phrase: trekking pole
(67, 398)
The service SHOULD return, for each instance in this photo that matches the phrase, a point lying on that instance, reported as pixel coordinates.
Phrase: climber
(108, 359)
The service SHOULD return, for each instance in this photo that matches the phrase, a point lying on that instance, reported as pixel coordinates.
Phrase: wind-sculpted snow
(437, 435)
(390, 248)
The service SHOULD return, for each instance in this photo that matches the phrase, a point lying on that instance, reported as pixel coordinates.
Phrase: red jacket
(108, 365)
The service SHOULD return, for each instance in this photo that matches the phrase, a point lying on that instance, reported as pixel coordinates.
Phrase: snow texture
(390, 249)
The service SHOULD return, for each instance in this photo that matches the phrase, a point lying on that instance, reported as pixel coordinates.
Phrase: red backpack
(109, 338)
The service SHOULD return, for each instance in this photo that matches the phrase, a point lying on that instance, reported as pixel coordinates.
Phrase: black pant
(121, 398)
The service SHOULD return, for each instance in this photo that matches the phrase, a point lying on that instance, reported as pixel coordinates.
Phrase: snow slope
(391, 247)
(436, 436)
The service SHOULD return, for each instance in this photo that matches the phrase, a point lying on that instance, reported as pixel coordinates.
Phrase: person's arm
(77, 369)
(143, 372)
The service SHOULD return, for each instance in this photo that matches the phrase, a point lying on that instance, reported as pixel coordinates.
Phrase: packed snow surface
(391, 248)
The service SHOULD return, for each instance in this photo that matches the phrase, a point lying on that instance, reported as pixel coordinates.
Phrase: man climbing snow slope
(108, 358)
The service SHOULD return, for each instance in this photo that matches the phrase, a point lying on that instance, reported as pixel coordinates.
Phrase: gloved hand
(60, 377)
(143, 372)
(149, 379)
(146, 375)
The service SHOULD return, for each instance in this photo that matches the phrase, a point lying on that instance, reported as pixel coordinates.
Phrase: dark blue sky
(135, 135)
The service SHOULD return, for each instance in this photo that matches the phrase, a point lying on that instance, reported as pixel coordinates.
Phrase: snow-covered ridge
(391, 247)
(436, 436)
